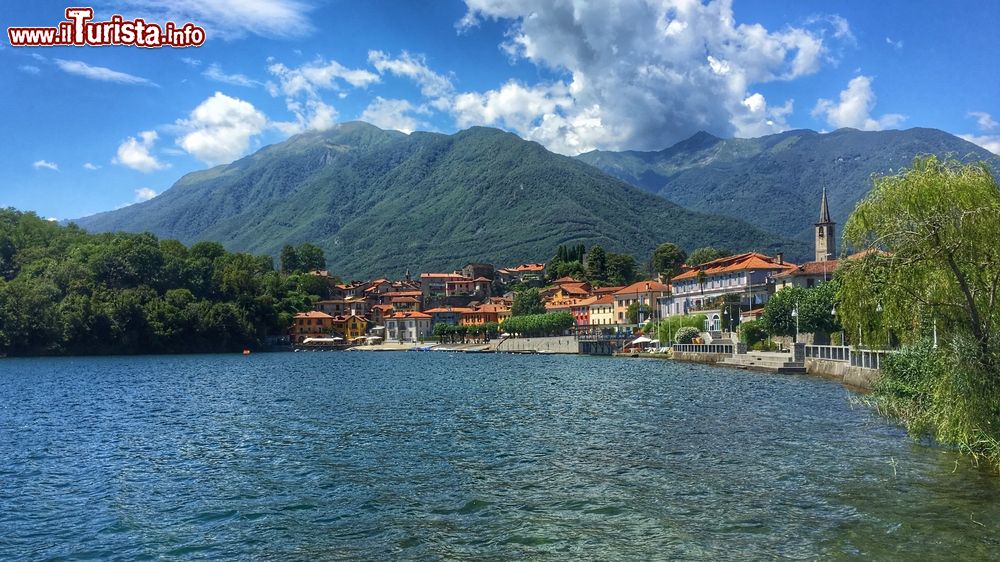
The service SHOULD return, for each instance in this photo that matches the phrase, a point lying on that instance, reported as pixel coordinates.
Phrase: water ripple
(478, 457)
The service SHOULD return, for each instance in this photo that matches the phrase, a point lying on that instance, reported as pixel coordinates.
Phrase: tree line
(64, 291)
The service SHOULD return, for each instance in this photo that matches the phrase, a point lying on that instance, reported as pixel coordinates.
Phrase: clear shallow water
(316, 456)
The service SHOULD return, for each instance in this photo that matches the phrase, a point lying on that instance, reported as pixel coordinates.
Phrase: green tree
(527, 302)
(290, 259)
(777, 318)
(668, 259)
(311, 257)
(633, 311)
(933, 259)
(932, 231)
(621, 269)
(597, 264)
(707, 254)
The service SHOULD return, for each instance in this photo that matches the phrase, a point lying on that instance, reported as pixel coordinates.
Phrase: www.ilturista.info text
(79, 30)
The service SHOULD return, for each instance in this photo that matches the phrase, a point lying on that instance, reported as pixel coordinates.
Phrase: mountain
(775, 182)
(382, 202)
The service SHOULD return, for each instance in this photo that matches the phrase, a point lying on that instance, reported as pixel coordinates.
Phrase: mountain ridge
(382, 202)
(775, 182)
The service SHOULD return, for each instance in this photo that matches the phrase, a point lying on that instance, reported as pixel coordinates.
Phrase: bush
(667, 327)
(686, 334)
(943, 393)
(553, 323)
(764, 346)
(752, 332)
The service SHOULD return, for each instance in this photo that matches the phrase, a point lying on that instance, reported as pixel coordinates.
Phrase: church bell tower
(826, 233)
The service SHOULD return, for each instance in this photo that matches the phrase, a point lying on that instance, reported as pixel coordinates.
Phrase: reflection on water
(426, 455)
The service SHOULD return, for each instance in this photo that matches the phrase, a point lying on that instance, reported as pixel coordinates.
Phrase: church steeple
(824, 210)
(826, 237)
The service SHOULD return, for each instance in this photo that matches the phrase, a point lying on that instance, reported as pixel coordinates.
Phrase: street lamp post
(879, 310)
(795, 314)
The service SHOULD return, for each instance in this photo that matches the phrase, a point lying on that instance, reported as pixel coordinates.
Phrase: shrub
(686, 334)
(752, 332)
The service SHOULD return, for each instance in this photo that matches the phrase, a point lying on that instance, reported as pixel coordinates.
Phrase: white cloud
(319, 75)
(854, 108)
(192, 62)
(231, 19)
(640, 75)
(135, 153)
(80, 68)
(219, 130)
(432, 84)
(214, 72)
(898, 45)
(984, 120)
(759, 119)
(393, 114)
(312, 114)
(144, 194)
(989, 142)
(39, 164)
(29, 69)
(90, 166)
(302, 87)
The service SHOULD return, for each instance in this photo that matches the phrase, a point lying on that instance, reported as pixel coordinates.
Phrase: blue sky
(89, 129)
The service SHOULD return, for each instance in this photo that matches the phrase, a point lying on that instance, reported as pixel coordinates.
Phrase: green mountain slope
(382, 202)
(775, 182)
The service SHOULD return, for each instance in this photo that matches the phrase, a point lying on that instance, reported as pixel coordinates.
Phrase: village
(472, 305)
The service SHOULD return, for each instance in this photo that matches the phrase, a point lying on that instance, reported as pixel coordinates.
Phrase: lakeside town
(472, 305)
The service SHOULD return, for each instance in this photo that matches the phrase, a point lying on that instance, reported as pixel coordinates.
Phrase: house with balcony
(746, 280)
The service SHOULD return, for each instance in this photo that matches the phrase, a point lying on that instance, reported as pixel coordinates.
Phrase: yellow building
(602, 311)
(350, 327)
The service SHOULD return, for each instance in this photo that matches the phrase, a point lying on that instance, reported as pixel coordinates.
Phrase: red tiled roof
(605, 299)
(574, 289)
(441, 310)
(643, 287)
(403, 294)
(810, 268)
(529, 267)
(313, 314)
(607, 290)
(407, 314)
(404, 299)
(739, 262)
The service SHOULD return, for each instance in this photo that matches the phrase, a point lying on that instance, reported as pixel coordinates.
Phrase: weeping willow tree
(931, 264)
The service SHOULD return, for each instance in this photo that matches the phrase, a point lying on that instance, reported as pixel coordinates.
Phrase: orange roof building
(700, 289)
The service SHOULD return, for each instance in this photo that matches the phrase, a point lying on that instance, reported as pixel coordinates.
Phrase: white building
(746, 279)
(407, 326)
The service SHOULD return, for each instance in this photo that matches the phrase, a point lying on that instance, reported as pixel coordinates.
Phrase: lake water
(315, 456)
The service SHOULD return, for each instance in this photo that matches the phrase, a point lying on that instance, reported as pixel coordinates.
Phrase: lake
(325, 456)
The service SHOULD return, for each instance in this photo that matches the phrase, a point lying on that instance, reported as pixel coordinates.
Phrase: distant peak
(701, 139)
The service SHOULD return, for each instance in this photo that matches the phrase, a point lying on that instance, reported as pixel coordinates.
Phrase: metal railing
(829, 352)
(868, 358)
(865, 358)
(704, 347)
